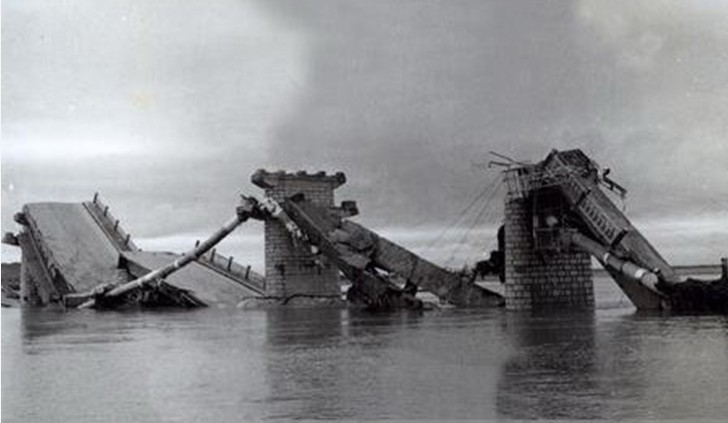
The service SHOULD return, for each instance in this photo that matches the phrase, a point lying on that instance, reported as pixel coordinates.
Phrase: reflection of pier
(341, 364)
(553, 369)
(632, 366)
(663, 369)
(304, 375)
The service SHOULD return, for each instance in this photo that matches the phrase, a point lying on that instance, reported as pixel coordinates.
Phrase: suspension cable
(478, 218)
(461, 214)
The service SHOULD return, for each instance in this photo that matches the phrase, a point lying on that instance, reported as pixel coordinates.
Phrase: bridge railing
(518, 181)
(580, 192)
(228, 266)
(111, 225)
(575, 185)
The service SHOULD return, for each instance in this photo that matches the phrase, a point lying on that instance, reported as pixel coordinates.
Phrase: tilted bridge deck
(357, 250)
(75, 247)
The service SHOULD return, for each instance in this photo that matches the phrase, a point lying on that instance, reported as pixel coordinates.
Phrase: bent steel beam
(601, 215)
(638, 283)
(159, 274)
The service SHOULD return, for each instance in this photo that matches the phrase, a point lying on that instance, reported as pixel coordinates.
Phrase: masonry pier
(558, 214)
(541, 274)
(290, 266)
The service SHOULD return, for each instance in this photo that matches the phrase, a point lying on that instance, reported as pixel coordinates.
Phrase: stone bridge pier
(540, 271)
(290, 267)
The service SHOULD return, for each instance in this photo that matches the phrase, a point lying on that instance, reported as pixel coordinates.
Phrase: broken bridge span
(557, 215)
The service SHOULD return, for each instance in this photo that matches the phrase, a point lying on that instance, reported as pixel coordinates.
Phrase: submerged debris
(699, 296)
(76, 255)
(10, 284)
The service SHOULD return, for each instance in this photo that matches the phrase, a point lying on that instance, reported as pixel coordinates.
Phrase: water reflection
(553, 371)
(302, 364)
(86, 326)
(615, 365)
(347, 364)
(331, 363)
(663, 367)
(217, 365)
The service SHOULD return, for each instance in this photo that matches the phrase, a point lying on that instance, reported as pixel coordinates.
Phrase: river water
(237, 365)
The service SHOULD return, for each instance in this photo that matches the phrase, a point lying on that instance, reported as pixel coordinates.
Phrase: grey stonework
(541, 279)
(290, 268)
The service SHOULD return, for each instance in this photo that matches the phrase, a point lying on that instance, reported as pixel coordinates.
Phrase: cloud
(168, 107)
(161, 106)
(406, 96)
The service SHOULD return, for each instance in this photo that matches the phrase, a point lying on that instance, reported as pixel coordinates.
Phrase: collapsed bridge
(558, 214)
(308, 240)
(77, 255)
(71, 250)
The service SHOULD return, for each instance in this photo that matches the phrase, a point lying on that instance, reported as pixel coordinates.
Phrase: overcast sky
(167, 107)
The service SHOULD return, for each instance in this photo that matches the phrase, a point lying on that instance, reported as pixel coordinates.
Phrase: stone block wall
(290, 268)
(541, 279)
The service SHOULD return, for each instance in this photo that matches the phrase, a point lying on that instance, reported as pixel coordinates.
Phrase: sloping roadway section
(608, 226)
(73, 244)
(356, 250)
(204, 282)
(83, 248)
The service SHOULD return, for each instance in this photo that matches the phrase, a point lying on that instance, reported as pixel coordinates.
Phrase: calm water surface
(235, 365)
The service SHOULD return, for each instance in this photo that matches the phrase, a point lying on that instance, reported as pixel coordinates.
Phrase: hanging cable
(461, 214)
(491, 244)
(478, 218)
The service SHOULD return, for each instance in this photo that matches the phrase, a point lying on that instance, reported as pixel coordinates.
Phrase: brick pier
(290, 268)
(538, 277)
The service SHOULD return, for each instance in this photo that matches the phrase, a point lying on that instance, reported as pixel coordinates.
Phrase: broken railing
(110, 295)
(234, 270)
(109, 224)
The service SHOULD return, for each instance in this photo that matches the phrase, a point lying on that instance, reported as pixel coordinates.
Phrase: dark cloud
(406, 95)
(168, 107)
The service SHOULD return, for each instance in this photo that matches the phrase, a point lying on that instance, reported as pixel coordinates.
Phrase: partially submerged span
(558, 214)
(70, 250)
(77, 255)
